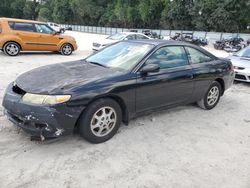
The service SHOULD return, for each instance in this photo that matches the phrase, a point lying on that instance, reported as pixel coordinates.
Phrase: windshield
(117, 36)
(123, 55)
(244, 53)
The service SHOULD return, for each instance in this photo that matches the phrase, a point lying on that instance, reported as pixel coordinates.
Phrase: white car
(116, 38)
(241, 63)
(56, 27)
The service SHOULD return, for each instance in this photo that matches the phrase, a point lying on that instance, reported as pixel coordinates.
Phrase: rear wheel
(100, 121)
(66, 49)
(11, 49)
(212, 96)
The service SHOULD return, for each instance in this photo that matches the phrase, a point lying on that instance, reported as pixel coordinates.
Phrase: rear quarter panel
(206, 73)
(8, 35)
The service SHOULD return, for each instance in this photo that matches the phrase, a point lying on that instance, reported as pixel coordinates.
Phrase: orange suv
(24, 35)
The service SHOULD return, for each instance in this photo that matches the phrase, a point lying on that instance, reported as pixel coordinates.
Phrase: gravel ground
(183, 147)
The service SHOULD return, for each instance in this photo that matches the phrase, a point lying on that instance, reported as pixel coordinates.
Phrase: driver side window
(42, 28)
(169, 57)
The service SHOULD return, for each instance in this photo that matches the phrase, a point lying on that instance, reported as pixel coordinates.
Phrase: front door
(47, 40)
(173, 84)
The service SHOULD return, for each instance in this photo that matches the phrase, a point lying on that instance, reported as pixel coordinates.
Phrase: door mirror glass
(150, 68)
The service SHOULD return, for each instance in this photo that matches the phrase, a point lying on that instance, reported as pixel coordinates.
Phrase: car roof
(159, 42)
(129, 33)
(20, 20)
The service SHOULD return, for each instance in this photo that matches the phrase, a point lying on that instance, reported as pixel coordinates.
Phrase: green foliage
(45, 14)
(205, 15)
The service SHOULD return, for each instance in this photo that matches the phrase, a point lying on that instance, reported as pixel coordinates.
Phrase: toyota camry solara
(96, 94)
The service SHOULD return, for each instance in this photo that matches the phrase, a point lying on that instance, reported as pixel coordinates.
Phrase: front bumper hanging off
(42, 122)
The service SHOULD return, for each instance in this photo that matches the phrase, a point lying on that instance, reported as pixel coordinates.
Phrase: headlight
(45, 99)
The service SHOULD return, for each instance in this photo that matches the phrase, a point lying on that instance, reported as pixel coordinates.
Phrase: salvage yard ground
(183, 147)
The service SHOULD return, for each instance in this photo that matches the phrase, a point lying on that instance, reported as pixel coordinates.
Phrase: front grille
(241, 77)
(96, 45)
(18, 90)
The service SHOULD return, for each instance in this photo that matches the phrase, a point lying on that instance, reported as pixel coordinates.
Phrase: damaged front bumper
(42, 122)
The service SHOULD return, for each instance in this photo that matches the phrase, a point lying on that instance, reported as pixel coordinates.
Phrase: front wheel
(100, 121)
(212, 96)
(66, 49)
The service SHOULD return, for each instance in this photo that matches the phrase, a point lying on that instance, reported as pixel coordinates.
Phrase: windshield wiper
(96, 63)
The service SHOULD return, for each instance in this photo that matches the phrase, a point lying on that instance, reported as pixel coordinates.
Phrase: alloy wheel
(103, 121)
(67, 49)
(213, 96)
(12, 49)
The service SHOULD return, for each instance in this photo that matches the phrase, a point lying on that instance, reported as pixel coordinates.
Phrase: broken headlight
(45, 99)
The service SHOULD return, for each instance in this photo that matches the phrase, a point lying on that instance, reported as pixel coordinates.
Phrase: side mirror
(150, 68)
(53, 33)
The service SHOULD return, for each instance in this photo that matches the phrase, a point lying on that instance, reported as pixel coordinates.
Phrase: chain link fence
(211, 36)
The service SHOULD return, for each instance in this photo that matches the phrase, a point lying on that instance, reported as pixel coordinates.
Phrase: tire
(66, 49)
(210, 100)
(100, 121)
(11, 49)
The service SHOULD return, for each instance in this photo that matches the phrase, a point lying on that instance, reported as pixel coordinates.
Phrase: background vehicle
(233, 44)
(152, 34)
(24, 35)
(116, 38)
(116, 84)
(56, 27)
(241, 62)
(189, 37)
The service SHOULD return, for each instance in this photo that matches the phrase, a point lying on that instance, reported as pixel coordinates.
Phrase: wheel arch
(119, 100)
(14, 42)
(66, 42)
(222, 83)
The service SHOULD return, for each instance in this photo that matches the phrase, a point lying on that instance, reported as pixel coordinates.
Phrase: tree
(150, 11)
(17, 7)
(30, 10)
(204, 15)
(62, 12)
(5, 9)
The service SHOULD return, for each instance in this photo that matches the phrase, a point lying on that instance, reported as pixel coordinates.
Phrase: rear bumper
(38, 120)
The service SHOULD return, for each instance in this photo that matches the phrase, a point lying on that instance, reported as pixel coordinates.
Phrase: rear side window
(0, 28)
(169, 57)
(196, 56)
(29, 27)
(130, 37)
(141, 37)
(11, 24)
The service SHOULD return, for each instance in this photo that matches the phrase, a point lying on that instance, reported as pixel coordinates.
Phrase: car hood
(240, 61)
(61, 78)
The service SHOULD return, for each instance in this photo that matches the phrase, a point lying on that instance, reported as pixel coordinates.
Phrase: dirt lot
(184, 147)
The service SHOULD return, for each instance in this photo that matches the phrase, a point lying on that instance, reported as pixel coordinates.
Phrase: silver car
(241, 63)
(116, 38)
